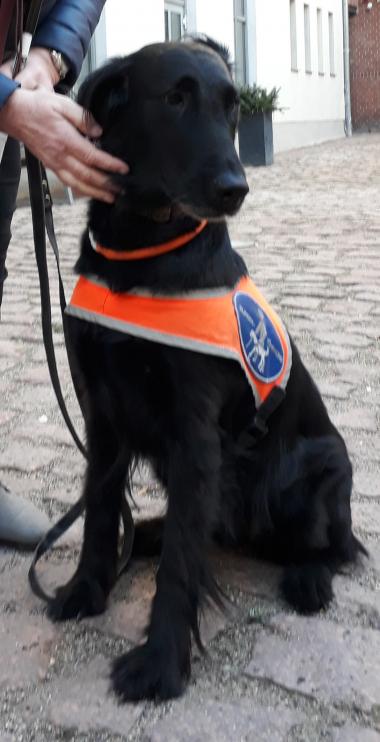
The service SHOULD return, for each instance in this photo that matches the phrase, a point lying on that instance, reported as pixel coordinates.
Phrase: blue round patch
(260, 341)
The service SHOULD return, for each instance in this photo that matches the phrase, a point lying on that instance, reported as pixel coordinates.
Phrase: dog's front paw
(146, 672)
(82, 596)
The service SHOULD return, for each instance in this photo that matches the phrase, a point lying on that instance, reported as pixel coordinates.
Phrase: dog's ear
(105, 91)
(220, 49)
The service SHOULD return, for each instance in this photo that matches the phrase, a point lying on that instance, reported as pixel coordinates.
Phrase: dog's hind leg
(320, 533)
(87, 591)
(308, 587)
(159, 668)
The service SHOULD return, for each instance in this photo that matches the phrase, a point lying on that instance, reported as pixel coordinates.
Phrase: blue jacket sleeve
(68, 28)
(7, 87)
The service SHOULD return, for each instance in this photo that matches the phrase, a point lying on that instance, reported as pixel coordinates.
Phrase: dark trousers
(10, 170)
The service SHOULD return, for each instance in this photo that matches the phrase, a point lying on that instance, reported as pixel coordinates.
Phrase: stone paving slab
(359, 599)
(350, 733)
(310, 233)
(366, 517)
(223, 722)
(25, 649)
(82, 702)
(367, 483)
(26, 458)
(335, 664)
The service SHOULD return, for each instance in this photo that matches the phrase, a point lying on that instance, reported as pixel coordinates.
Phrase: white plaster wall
(216, 19)
(294, 134)
(305, 97)
(130, 25)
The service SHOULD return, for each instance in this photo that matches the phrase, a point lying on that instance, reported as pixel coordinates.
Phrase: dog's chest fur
(159, 389)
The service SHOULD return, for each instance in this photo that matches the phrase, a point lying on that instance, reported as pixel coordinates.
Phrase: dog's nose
(230, 190)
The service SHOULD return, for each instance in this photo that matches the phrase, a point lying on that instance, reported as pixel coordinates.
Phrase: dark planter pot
(256, 139)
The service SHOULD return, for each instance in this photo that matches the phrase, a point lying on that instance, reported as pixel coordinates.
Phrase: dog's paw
(308, 588)
(82, 596)
(147, 673)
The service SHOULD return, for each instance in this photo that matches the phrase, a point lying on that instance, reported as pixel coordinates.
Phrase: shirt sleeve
(68, 28)
(7, 87)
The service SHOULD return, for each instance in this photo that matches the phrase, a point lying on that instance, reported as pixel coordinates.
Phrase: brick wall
(365, 66)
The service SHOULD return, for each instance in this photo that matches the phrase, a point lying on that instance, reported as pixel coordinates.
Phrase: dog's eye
(175, 98)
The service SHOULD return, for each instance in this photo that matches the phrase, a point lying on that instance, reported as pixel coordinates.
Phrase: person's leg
(20, 521)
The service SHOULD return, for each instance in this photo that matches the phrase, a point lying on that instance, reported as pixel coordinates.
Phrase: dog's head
(170, 111)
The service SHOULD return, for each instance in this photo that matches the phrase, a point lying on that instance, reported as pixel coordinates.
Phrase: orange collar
(149, 252)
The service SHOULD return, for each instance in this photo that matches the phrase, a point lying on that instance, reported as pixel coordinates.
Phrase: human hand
(49, 125)
(39, 71)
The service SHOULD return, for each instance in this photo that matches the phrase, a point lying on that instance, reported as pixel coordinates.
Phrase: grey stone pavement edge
(310, 232)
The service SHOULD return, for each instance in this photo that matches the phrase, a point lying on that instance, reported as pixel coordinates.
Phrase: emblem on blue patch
(260, 341)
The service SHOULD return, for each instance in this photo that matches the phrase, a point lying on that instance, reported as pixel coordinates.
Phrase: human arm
(50, 125)
(68, 29)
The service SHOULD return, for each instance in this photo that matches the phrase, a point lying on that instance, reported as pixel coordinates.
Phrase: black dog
(171, 112)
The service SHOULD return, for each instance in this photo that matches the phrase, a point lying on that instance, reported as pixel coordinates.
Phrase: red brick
(365, 66)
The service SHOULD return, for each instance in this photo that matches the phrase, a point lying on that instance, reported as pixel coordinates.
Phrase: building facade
(293, 45)
(365, 64)
(299, 48)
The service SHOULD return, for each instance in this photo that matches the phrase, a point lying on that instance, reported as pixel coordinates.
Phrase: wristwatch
(59, 63)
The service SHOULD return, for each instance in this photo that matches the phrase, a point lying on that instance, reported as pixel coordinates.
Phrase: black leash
(42, 218)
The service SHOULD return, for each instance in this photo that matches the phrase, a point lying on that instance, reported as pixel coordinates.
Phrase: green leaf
(254, 99)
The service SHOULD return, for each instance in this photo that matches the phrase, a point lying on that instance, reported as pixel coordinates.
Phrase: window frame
(321, 52)
(242, 21)
(307, 39)
(177, 8)
(332, 45)
(293, 36)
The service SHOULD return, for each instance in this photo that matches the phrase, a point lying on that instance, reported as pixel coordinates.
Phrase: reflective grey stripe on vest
(174, 341)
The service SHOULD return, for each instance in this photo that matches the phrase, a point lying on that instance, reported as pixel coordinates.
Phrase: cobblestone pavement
(310, 231)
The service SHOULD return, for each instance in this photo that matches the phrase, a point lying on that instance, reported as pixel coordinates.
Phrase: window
(321, 69)
(240, 20)
(306, 18)
(331, 44)
(293, 36)
(174, 20)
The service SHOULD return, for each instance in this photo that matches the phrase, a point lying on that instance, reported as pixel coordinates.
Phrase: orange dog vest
(238, 324)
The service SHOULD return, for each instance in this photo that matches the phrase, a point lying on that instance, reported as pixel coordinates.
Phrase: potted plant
(256, 126)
